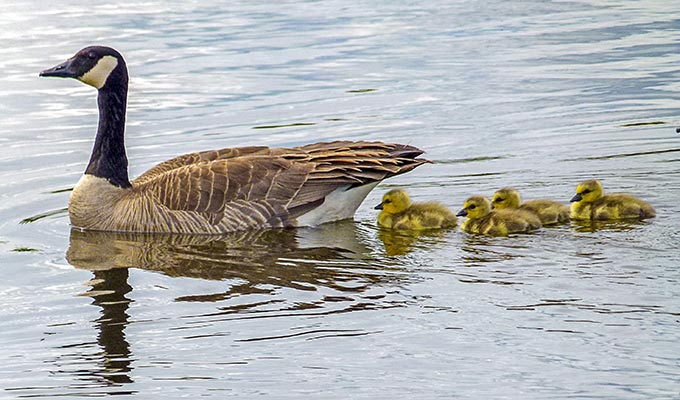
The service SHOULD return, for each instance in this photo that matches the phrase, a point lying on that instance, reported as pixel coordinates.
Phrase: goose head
(93, 65)
(588, 191)
(394, 201)
(506, 198)
(475, 207)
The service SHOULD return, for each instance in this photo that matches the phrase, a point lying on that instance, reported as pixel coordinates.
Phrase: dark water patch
(62, 191)
(644, 123)
(284, 125)
(315, 334)
(469, 160)
(186, 378)
(625, 155)
(37, 217)
(56, 391)
(24, 250)
(361, 90)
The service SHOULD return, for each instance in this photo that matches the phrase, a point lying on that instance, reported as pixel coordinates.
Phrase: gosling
(482, 220)
(397, 212)
(590, 203)
(548, 211)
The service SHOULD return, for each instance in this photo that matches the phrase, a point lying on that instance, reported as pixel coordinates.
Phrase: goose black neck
(108, 159)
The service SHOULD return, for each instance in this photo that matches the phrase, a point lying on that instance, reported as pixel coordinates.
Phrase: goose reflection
(256, 257)
(329, 256)
(109, 289)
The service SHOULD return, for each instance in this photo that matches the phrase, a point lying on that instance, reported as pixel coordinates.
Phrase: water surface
(533, 94)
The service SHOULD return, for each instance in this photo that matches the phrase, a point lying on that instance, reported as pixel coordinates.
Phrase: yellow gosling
(590, 203)
(397, 212)
(481, 219)
(548, 211)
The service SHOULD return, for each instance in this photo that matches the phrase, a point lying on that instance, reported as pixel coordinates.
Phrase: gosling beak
(577, 197)
(378, 207)
(462, 213)
(63, 70)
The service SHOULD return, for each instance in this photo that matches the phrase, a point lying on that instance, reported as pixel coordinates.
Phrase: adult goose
(216, 191)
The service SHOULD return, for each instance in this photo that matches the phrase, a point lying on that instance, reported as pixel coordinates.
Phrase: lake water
(533, 94)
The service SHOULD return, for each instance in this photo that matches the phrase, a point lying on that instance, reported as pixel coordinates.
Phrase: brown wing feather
(199, 157)
(255, 189)
(342, 163)
(258, 186)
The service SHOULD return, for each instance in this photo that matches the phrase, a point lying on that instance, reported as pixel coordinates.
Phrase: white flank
(339, 204)
(99, 73)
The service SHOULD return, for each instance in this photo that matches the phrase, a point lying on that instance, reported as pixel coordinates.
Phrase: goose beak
(462, 213)
(378, 207)
(63, 70)
(577, 197)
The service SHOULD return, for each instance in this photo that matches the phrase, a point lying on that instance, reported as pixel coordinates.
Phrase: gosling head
(93, 65)
(394, 201)
(475, 207)
(588, 191)
(506, 198)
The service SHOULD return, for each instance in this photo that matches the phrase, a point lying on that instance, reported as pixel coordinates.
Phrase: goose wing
(230, 194)
(198, 157)
(401, 155)
(258, 186)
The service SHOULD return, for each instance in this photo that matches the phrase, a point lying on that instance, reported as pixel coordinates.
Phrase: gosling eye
(586, 191)
(472, 207)
(498, 200)
(92, 55)
(388, 201)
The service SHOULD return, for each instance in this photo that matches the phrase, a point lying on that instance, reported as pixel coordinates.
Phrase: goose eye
(472, 207)
(586, 191)
(498, 200)
(388, 201)
(92, 55)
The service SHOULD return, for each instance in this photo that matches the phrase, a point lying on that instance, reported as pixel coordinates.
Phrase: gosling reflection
(592, 226)
(402, 242)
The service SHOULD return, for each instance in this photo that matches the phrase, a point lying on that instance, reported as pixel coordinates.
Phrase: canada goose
(481, 219)
(590, 203)
(216, 191)
(397, 212)
(548, 211)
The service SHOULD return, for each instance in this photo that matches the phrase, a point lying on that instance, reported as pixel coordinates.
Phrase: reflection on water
(402, 242)
(109, 289)
(257, 257)
(615, 225)
(106, 363)
(536, 95)
(302, 259)
(331, 260)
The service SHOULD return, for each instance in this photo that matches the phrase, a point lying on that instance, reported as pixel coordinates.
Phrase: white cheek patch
(99, 73)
